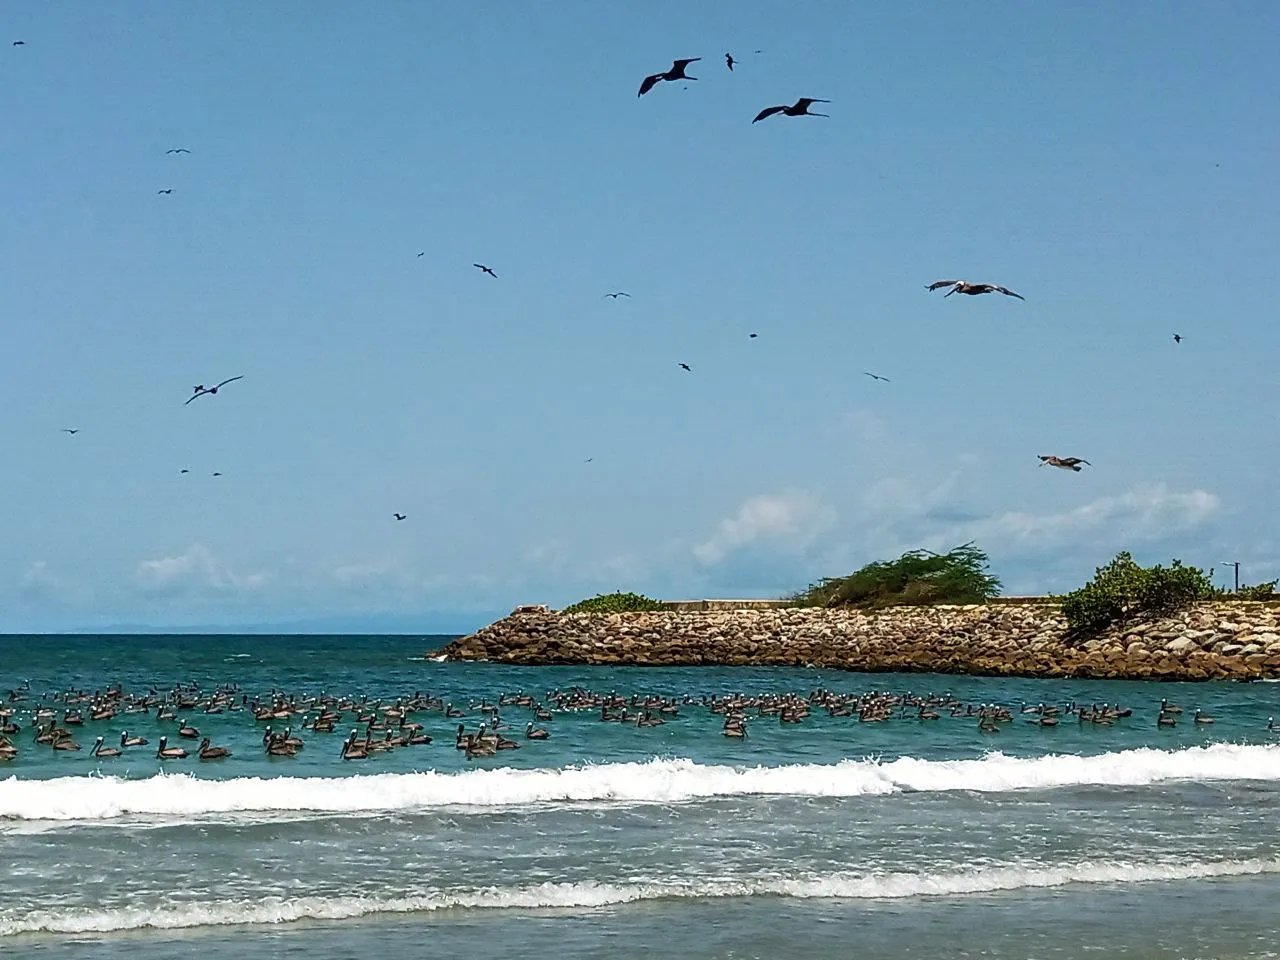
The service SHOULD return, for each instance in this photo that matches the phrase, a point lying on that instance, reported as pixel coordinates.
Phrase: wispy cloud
(789, 520)
(197, 571)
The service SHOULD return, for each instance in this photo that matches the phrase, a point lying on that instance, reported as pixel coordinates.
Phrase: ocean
(892, 836)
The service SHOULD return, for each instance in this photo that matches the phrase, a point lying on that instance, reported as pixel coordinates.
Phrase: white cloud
(791, 519)
(1148, 512)
(41, 584)
(195, 571)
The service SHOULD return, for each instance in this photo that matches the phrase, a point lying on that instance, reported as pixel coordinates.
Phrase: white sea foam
(579, 896)
(654, 781)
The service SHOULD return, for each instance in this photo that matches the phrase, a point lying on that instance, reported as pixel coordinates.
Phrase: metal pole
(1236, 565)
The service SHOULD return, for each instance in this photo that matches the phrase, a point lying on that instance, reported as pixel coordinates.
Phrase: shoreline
(1220, 640)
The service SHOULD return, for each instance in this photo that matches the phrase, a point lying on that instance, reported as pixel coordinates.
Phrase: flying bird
(972, 289)
(70, 430)
(1177, 338)
(615, 296)
(216, 473)
(201, 389)
(170, 190)
(177, 150)
(488, 270)
(183, 470)
(752, 336)
(1063, 463)
(19, 43)
(422, 253)
(798, 109)
(399, 516)
(729, 61)
(675, 73)
(876, 376)
(685, 366)
(588, 460)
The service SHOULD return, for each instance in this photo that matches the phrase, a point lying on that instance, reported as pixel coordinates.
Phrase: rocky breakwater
(1222, 640)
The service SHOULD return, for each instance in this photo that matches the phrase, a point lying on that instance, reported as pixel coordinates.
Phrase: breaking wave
(94, 798)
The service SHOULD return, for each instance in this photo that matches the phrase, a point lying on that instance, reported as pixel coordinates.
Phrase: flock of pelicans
(388, 725)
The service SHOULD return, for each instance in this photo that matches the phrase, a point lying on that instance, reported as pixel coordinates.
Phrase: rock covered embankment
(1229, 640)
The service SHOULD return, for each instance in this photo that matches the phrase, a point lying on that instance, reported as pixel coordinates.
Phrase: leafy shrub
(614, 603)
(1258, 591)
(1122, 591)
(917, 578)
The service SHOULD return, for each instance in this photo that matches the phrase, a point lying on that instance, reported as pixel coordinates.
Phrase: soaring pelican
(973, 289)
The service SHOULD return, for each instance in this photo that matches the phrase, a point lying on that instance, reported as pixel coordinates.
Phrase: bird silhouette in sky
(488, 270)
(798, 109)
(422, 253)
(169, 190)
(729, 61)
(216, 473)
(615, 296)
(201, 389)
(752, 336)
(972, 289)
(71, 430)
(1177, 338)
(19, 43)
(183, 470)
(685, 366)
(876, 376)
(399, 516)
(1063, 463)
(177, 150)
(675, 73)
(588, 460)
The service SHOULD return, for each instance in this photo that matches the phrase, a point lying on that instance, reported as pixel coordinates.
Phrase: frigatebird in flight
(876, 376)
(177, 150)
(169, 190)
(70, 430)
(675, 73)
(972, 289)
(201, 389)
(399, 516)
(1063, 463)
(488, 270)
(615, 296)
(798, 109)
(685, 366)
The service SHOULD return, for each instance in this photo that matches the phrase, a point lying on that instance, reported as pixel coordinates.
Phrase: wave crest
(92, 798)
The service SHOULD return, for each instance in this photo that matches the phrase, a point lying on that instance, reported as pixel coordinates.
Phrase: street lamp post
(1236, 565)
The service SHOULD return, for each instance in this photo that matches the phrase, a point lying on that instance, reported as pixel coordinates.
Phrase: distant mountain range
(420, 624)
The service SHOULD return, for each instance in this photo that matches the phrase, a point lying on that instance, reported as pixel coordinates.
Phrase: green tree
(1123, 591)
(918, 577)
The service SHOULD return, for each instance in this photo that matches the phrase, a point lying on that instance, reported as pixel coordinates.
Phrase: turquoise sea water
(901, 837)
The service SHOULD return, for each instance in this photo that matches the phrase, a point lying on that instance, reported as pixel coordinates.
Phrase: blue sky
(1113, 163)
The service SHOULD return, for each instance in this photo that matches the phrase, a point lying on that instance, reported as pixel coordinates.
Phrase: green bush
(1123, 591)
(916, 578)
(1259, 591)
(614, 603)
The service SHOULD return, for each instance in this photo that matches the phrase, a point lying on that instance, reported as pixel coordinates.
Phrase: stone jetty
(1234, 640)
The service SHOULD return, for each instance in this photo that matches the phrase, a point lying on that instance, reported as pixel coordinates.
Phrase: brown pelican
(169, 753)
(128, 741)
(212, 753)
(201, 389)
(973, 289)
(675, 73)
(1063, 463)
(100, 751)
(798, 109)
(535, 733)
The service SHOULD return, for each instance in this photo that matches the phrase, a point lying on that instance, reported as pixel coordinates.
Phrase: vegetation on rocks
(614, 603)
(916, 578)
(1123, 591)
(1258, 591)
